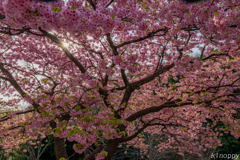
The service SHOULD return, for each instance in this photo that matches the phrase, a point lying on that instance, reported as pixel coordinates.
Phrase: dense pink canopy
(112, 80)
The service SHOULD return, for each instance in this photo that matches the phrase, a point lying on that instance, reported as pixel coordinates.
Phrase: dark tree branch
(215, 55)
(12, 81)
(2, 16)
(151, 34)
(35, 33)
(100, 53)
(53, 88)
(4, 78)
(172, 104)
(129, 89)
(233, 26)
(135, 134)
(109, 3)
(70, 56)
(153, 109)
(92, 155)
(125, 99)
(190, 29)
(145, 80)
(201, 57)
(19, 113)
(118, 89)
(92, 4)
(141, 129)
(124, 77)
(113, 47)
(7, 30)
(180, 52)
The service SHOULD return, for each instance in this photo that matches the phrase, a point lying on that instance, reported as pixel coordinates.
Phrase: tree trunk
(111, 147)
(92, 155)
(59, 148)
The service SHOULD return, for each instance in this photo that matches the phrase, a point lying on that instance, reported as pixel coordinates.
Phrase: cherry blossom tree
(70, 62)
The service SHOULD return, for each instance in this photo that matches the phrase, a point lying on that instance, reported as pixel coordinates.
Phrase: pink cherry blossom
(128, 67)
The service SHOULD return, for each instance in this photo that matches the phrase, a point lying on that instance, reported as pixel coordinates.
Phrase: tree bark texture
(59, 148)
(111, 147)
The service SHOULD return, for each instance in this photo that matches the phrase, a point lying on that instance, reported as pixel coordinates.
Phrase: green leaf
(70, 133)
(206, 11)
(123, 133)
(113, 17)
(74, 7)
(59, 98)
(57, 130)
(67, 103)
(104, 153)
(82, 21)
(78, 108)
(56, 9)
(79, 146)
(87, 119)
